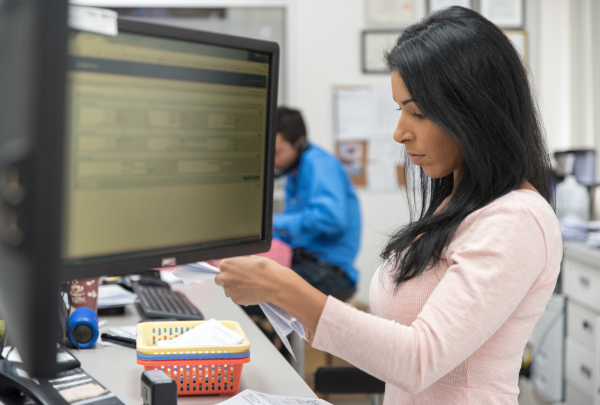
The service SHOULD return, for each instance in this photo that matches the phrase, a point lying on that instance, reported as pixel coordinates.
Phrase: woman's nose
(402, 134)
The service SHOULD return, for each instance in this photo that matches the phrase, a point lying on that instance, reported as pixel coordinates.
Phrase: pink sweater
(456, 334)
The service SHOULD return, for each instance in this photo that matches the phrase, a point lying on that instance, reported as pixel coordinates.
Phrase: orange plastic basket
(201, 377)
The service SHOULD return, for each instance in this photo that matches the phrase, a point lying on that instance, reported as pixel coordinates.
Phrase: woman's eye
(419, 116)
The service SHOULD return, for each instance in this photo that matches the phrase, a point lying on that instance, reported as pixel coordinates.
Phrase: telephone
(15, 381)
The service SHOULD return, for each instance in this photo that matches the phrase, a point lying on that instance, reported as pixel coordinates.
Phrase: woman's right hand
(251, 280)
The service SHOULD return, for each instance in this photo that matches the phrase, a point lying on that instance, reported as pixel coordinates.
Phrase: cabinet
(581, 286)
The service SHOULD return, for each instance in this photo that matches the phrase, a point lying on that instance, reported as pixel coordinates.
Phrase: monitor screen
(166, 149)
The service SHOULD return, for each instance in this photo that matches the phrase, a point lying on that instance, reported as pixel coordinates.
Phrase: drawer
(581, 283)
(574, 396)
(548, 382)
(581, 324)
(580, 367)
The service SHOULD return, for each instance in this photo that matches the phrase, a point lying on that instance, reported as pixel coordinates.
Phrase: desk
(267, 372)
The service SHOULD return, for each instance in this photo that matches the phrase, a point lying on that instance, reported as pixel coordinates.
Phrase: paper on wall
(282, 321)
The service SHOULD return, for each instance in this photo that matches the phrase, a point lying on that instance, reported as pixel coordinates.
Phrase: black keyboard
(161, 302)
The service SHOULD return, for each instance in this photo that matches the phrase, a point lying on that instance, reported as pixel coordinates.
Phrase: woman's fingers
(218, 281)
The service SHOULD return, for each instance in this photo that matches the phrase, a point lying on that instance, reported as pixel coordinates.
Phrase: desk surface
(268, 371)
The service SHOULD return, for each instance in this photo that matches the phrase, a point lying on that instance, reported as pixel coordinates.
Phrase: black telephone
(17, 388)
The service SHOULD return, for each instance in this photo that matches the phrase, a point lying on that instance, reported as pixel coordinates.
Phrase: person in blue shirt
(321, 220)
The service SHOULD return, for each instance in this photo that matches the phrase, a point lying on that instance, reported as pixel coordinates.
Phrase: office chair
(348, 380)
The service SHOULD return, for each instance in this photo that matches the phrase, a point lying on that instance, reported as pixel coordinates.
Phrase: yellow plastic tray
(148, 335)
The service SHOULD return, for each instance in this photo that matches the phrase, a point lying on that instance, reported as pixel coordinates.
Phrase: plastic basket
(201, 377)
(198, 370)
(148, 333)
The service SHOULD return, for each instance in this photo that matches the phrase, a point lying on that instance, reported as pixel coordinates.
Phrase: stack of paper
(258, 398)
(282, 322)
(113, 295)
(210, 333)
(195, 272)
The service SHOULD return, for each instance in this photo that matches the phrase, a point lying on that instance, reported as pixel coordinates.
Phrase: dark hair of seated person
(290, 124)
(466, 76)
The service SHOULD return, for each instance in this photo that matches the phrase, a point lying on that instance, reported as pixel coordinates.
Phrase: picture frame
(373, 45)
(434, 5)
(506, 14)
(520, 40)
(390, 12)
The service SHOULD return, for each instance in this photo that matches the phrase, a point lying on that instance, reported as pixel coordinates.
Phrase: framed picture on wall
(390, 12)
(508, 14)
(434, 5)
(519, 40)
(374, 44)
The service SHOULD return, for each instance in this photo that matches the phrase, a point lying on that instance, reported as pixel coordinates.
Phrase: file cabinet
(581, 286)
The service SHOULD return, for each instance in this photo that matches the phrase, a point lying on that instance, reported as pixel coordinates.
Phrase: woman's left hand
(251, 280)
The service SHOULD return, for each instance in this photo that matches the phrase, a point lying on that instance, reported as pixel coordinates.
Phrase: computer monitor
(166, 158)
(169, 148)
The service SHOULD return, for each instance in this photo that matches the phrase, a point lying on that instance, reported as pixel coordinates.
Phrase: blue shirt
(322, 214)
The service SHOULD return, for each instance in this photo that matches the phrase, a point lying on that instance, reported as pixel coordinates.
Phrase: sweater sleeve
(493, 264)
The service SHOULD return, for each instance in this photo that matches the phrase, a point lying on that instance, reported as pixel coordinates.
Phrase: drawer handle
(584, 281)
(587, 327)
(586, 371)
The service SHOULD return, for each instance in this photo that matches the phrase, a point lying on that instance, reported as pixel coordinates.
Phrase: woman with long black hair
(463, 284)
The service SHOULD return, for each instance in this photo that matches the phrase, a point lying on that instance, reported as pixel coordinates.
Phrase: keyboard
(161, 302)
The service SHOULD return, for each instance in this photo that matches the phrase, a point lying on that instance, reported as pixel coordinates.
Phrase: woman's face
(428, 145)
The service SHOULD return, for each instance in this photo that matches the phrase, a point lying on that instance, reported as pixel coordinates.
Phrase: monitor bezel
(177, 256)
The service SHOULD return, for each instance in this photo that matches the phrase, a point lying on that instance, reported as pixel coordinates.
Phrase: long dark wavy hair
(467, 77)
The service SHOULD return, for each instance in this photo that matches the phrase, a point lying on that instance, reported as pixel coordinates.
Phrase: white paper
(14, 355)
(124, 331)
(282, 322)
(354, 109)
(168, 277)
(386, 150)
(210, 333)
(92, 19)
(129, 332)
(252, 397)
(195, 272)
(365, 112)
(113, 295)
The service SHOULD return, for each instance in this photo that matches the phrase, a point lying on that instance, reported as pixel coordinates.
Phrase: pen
(119, 340)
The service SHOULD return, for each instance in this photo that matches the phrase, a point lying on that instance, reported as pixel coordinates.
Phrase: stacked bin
(198, 370)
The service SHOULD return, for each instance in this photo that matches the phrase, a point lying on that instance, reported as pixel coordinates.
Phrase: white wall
(325, 51)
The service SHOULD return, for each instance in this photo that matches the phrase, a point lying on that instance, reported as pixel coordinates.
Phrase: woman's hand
(255, 279)
(251, 280)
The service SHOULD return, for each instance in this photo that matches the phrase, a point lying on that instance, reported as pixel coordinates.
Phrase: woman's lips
(415, 159)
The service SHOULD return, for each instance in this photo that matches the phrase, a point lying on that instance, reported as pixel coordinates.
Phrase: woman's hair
(465, 76)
